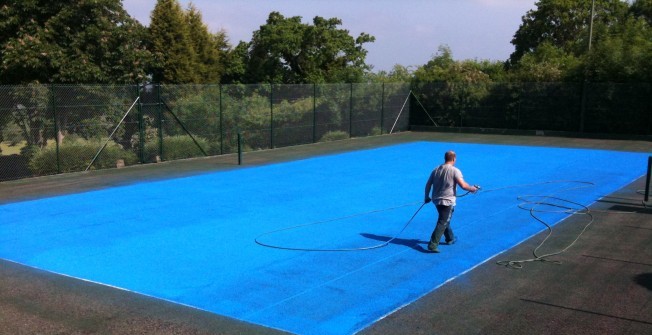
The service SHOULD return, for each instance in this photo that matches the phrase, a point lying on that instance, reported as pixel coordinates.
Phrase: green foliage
(76, 155)
(642, 9)
(12, 134)
(552, 43)
(398, 74)
(209, 48)
(333, 101)
(334, 136)
(169, 35)
(235, 64)
(197, 106)
(290, 111)
(246, 109)
(547, 63)
(95, 111)
(185, 50)
(620, 44)
(26, 108)
(284, 50)
(97, 42)
(451, 86)
(496, 70)
(565, 25)
(70, 42)
(176, 147)
(442, 67)
(29, 151)
(624, 54)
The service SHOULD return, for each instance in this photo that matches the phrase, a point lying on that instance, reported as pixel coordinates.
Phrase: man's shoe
(452, 241)
(433, 248)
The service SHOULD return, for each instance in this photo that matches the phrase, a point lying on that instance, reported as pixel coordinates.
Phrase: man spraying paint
(443, 182)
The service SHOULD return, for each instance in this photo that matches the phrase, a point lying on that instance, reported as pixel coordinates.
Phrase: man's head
(449, 156)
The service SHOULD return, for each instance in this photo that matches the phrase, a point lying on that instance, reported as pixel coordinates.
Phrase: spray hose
(532, 203)
(337, 219)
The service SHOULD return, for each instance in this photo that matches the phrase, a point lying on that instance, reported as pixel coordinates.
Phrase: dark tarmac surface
(602, 286)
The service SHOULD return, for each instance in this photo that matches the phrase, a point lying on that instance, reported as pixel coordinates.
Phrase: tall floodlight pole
(584, 86)
(591, 24)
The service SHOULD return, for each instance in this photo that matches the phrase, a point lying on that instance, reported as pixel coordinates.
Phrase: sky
(407, 32)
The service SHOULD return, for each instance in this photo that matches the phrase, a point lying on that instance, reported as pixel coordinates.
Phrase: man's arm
(460, 181)
(426, 198)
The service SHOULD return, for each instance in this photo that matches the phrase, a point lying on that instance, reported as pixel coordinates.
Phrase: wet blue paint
(191, 240)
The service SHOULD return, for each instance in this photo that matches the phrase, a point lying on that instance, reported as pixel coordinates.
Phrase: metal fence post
(351, 112)
(649, 116)
(56, 125)
(159, 109)
(314, 113)
(239, 148)
(271, 115)
(647, 179)
(382, 108)
(141, 127)
(221, 124)
(583, 105)
(518, 113)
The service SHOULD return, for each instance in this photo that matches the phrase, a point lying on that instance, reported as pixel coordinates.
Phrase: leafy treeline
(552, 45)
(567, 73)
(553, 42)
(184, 50)
(96, 41)
(70, 41)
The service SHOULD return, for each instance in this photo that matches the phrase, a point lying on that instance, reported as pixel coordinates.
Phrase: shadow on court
(411, 243)
(645, 280)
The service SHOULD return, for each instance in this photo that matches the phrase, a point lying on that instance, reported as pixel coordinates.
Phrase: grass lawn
(6, 149)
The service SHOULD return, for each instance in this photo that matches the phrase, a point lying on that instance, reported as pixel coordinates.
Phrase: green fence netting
(50, 129)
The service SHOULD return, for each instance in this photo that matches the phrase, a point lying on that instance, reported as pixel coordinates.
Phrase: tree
(436, 67)
(64, 42)
(175, 56)
(23, 107)
(452, 88)
(642, 8)
(552, 43)
(70, 42)
(624, 54)
(398, 74)
(209, 48)
(565, 25)
(547, 63)
(443, 68)
(284, 50)
(235, 64)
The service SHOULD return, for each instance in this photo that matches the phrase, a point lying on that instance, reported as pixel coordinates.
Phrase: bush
(334, 136)
(76, 156)
(176, 147)
(29, 151)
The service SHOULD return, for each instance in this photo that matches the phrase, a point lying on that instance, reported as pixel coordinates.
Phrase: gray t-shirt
(444, 184)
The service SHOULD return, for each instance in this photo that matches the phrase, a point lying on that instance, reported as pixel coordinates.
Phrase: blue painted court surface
(192, 240)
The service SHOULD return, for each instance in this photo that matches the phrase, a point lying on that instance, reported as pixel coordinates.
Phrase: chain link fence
(51, 129)
(584, 108)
